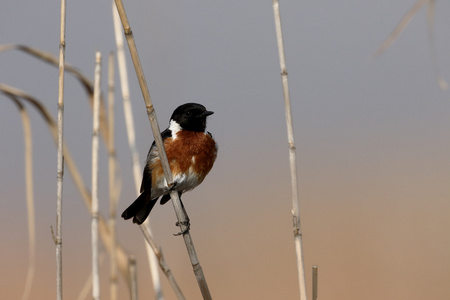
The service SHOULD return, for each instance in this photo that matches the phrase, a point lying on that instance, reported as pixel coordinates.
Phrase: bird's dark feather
(140, 208)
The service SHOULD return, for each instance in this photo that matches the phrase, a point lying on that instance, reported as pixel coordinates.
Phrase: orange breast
(190, 149)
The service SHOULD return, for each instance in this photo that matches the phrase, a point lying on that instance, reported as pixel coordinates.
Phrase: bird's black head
(191, 116)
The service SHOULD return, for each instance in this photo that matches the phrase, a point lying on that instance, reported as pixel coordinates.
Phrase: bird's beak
(206, 113)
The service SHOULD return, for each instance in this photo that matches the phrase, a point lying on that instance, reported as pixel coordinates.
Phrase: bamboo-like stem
(113, 191)
(29, 196)
(94, 207)
(60, 158)
(129, 121)
(122, 259)
(292, 156)
(133, 278)
(181, 215)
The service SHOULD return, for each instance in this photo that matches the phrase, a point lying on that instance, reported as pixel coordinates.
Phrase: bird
(191, 152)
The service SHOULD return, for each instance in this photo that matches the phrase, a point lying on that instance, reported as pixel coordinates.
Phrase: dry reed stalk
(129, 122)
(29, 196)
(180, 212)
(121, 257)
(292, 156)
(60, 158)
(95, 172)
(113, 189)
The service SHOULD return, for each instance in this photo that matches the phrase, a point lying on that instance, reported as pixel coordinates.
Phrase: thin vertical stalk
(94, 209)
(181, 215)
(292, 156)
(113, 191)
(60, 159)
(154, 253)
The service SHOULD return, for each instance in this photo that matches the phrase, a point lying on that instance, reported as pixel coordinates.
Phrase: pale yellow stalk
(292, 155)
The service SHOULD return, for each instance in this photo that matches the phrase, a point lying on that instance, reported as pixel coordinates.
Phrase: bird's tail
(140, 208)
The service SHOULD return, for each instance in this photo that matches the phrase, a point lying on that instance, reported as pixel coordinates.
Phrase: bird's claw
(185, 223)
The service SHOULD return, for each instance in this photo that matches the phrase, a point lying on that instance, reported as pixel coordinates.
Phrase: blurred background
(372, 138)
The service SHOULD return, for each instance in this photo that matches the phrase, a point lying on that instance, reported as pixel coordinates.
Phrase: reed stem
(95, 172)
(60, 158)
(292, 155)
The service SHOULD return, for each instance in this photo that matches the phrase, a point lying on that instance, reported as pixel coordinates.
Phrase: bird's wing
(151, 156)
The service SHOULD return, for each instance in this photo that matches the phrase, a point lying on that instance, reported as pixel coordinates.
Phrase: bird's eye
(188, 113)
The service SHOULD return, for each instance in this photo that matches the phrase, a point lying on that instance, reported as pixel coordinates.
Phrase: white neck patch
(174, 128)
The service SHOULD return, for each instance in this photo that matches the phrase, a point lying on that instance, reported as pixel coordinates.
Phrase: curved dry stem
(29, 196)
(85, 82)
(105, 235)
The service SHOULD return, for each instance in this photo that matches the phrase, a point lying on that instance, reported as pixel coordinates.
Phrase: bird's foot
(187, 224)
